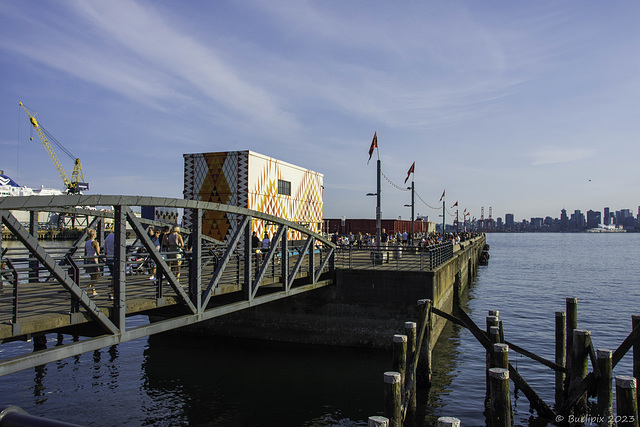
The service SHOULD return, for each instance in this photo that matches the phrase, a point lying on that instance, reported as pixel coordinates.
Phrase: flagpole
(378, 211)
(443, 219)
(413, 204)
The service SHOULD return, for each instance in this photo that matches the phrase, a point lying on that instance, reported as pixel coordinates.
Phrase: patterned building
(254, 181)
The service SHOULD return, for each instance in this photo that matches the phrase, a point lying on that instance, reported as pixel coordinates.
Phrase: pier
(45, 289)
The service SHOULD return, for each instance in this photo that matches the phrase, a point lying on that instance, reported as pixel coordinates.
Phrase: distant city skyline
(575, 220)
(635, 212)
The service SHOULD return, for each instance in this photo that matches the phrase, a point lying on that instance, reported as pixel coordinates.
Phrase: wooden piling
(500, 398)
(605, 389)
(572, 323)
(491, 321)
(393, 398)
(626, 401)
(448, 422)
(400, 357)
(410, 330)
(378, 421)
(560, 356)
(500, 356)
(423, 343)
(494, 334)
(579, 364)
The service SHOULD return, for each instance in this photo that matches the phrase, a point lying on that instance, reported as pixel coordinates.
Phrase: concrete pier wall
(365, 307)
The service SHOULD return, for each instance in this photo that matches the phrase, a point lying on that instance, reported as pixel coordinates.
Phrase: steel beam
(268, 258)
(301, 256)
(231, 247)
(157, 258)
(195, 264)
(119, 282)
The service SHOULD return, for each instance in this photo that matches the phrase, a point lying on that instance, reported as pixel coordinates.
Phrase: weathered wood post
(635, 321)
(626, 401)
(491, 321)
(605, 389)
(393, 398)
(448, 422)
(560, 356)
(378, 421)
(572, 323)
(410, 330)
(423, 373)
(500, 356)
(400, 358)
(494, 335)
(500, 398)
(579, 364)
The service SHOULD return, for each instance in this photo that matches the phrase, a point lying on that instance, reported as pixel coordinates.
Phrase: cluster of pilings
(574, 384)
(411, 364)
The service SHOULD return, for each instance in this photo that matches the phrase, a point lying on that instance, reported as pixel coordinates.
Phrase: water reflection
(241, 382)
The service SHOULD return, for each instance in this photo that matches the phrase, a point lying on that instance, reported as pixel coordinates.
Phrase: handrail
(394, 257)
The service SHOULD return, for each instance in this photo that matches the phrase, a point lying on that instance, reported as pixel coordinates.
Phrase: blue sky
(524, 107)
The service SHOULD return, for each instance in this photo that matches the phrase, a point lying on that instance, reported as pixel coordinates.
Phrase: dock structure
(358, 296)
(374, 295)
(45, 289)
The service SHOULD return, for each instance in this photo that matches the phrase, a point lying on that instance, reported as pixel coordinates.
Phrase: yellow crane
(74, 185)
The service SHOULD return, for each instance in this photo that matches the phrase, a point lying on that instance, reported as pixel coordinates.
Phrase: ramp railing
(49, 288)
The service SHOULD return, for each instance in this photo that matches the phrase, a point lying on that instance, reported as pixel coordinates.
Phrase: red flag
(374, 145)
(411, 170)
(455, 204)
(442, 197)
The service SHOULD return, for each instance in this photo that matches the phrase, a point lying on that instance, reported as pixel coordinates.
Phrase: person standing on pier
(175, 244)
(91, 253)
(255, 242)
(266, 242)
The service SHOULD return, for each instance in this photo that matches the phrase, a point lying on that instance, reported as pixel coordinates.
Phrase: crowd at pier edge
(423, 240)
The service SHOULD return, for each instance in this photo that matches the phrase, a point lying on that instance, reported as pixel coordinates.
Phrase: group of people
(366, 240)
(168, 240)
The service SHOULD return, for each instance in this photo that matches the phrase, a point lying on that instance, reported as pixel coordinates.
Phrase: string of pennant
(397, 187)
(374, 147)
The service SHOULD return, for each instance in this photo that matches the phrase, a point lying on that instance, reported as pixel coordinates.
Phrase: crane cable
(51, 138)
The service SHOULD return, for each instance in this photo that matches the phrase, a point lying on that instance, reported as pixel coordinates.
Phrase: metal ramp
(44, 287)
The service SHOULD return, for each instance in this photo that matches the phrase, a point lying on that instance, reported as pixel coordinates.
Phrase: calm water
(170, 380)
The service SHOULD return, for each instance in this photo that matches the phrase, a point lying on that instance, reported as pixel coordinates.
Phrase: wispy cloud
(133, 50)
(550, 155)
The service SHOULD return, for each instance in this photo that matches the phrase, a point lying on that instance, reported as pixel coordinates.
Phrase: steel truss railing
(396, 257)
(36, 277)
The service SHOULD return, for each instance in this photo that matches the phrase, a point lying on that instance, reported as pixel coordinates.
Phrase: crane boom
(73, 185)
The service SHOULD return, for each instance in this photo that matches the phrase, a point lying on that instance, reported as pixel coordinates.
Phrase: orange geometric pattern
(224, 178)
